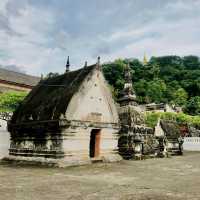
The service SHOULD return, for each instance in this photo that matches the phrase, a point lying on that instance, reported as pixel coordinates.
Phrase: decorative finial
(99, 63)
(85, 64)
(98, 60)
(67, 65)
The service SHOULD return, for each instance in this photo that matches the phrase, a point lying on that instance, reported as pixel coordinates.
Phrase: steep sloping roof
(50, 98)
(19, 78)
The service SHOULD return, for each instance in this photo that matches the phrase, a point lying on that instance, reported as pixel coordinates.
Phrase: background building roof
(19, 78)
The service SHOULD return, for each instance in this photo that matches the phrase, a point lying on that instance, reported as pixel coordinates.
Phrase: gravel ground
(153, 179)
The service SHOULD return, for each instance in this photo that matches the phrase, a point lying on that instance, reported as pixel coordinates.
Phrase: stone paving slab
(176, 178)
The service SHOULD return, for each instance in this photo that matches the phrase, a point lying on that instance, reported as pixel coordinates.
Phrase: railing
(5, 115)
(191, 143)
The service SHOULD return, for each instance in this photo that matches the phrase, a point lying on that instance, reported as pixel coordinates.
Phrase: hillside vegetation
(168, 79)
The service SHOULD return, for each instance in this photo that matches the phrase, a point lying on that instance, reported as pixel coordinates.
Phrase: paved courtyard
(154, 179)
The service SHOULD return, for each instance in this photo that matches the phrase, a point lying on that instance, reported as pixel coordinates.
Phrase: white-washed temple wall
(77, 143)
(93, 102)
(4, 139)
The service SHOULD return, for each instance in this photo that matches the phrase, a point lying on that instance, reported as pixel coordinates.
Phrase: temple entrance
(95, 143)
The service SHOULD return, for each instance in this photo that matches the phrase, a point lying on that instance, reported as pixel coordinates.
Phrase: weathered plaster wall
(4, 139)
(48, 145)
(93, 102)
(76, 143)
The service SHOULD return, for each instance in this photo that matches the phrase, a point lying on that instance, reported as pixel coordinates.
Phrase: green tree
(114, 73)
(193, 106)
(180, 97)
(191, 62)
(141, 90)
(173, 73)
(156, 91)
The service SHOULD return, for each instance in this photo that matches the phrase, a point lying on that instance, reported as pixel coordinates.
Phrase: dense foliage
(168, 79)
(151, 118)
(10, 100)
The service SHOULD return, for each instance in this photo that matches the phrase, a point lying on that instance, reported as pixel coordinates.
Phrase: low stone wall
(191, 144)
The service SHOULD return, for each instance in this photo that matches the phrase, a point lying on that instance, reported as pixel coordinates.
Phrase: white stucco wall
(77, 143)
(93, 102)
(4, 139)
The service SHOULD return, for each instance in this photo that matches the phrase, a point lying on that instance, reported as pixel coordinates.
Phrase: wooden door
(95, 138)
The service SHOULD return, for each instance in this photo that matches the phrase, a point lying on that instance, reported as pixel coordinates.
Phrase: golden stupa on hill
(145, 60)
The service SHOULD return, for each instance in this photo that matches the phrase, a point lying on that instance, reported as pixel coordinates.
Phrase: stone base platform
(62, 163)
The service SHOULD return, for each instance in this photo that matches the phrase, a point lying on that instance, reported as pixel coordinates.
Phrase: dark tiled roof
(50, 98)
(171, 129)
(18, 78)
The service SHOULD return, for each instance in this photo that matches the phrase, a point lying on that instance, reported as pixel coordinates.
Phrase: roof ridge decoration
(67, 65)
(98, 64)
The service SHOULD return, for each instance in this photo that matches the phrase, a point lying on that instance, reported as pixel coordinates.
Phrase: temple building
(72, 119)
(10, 80)
(66, 120)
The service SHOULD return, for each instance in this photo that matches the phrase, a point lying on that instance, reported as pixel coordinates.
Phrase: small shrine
(69, 119)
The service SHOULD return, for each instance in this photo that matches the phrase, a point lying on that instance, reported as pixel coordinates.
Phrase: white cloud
(3, 6)
(41, 36)
(28, 48)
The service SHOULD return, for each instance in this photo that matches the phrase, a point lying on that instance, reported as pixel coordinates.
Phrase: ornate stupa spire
(145, 60)
(67, 65)
(127, 95)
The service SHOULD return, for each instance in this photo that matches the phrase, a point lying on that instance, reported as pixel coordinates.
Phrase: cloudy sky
(36, 36)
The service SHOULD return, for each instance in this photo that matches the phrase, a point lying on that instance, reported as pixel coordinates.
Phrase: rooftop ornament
(67, 65)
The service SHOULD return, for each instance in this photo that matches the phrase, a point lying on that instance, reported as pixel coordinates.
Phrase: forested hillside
(167, 79)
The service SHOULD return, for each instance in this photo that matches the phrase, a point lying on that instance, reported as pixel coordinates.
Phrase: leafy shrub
(151, 118)
(10, 100)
